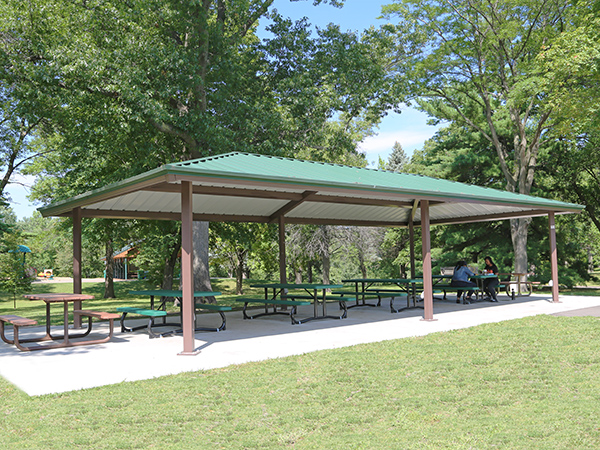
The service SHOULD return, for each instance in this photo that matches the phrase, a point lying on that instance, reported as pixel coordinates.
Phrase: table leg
(66, 319)
(48, 319)
(76, 319)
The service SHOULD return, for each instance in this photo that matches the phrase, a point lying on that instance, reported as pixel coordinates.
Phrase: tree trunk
(169, 269)
(298, 275)
(239, 271)
(200, 259)
(109, 285)
(361, 264)
(518, 231)
(326, 267)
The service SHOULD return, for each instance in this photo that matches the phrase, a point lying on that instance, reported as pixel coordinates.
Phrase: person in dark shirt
(460, 278)
(490, 284)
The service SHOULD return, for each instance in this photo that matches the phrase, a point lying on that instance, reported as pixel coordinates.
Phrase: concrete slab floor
(133, 356)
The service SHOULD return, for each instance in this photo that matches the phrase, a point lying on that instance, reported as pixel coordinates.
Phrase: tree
(14, 278)
(16, 128)
(362, 245)
(473, 63)
(239, 240)
(572, 81)
(572, 171)
(147, 82)
(397, 159)
(573, 84)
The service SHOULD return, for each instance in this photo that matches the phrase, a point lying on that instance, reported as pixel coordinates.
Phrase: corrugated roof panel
(249, 172)
(213, 204)
(272, 167)
(348, 212)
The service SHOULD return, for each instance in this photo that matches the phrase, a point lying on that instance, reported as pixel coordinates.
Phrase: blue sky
(409, 128)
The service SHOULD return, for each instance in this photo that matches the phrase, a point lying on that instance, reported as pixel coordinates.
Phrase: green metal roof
(332, 194)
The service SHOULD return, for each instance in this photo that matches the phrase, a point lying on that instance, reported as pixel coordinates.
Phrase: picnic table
(66, 337)
(161, 311)
(404, 286)
(517, 285)
(281, 297)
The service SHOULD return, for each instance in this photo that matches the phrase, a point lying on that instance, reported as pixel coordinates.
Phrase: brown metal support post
(77, 286)
(282, 258)
(427, 273)
(553, 257)
(187, 272)
(411, 234)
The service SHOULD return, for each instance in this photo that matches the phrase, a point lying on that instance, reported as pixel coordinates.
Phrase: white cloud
(383, 142)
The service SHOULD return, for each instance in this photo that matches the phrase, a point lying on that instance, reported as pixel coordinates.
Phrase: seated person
(490, 284)
(461, 279)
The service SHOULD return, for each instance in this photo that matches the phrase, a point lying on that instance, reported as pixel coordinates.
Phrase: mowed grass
(531, 383)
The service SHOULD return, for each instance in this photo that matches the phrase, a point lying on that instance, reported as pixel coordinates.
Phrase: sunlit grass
(531, 383)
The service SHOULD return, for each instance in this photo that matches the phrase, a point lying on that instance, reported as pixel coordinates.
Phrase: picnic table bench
(165, 294)
(281, 296)
(359, 296)
(16, 322)
(394, 293)
(67, 337)
(274, 303)
(150, 313)
(448, 288)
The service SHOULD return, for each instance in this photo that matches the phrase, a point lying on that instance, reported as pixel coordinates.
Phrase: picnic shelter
(245, 187)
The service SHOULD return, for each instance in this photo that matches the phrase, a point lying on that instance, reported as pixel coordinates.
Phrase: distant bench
(274, 303)
(394, 293)
(149, 313)
(359, 297)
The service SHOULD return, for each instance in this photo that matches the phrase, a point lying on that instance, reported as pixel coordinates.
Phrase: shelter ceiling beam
(489, 218)
(415, 206)
(344, 222)
(307, 195)
(151, 215)
(279, 195)
(108, 214)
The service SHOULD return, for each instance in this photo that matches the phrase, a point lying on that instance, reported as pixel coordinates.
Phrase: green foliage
(473, 63)
(572, 78)
(241, 246)
(14, 275)
(125, 87)
(156, 241)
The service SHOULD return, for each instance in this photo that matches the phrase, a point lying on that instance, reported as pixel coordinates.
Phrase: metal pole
(411, 234)
(553, 257)
(77, 284)
(282, 257)
(427, 274)
(187, 272)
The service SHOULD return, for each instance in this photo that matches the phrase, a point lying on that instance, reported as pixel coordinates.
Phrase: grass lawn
(531, 383)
